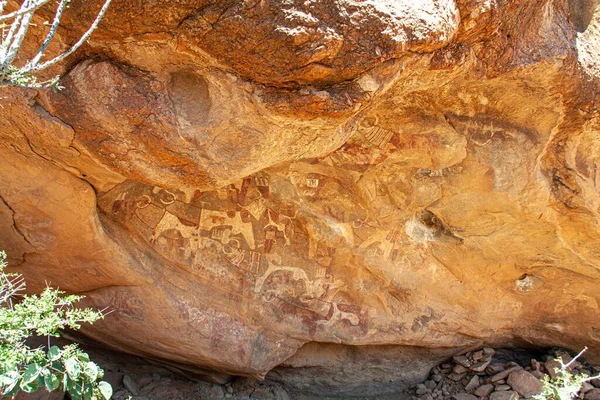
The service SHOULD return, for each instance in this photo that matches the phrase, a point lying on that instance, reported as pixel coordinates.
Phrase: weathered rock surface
(238, 180)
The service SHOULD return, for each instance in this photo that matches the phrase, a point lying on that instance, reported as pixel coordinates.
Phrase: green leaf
(54, 353)
(8, 378)
(52, 382)
(83, 357)
(11, 389)
(91, 370)
(31, 374)
(74, 388)
(29, 387)
(105, 390)
(73, 368)
(88, 393)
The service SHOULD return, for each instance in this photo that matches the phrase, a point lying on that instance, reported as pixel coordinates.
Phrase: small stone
(464, 396)
(446, 365)
(593, 394)
(435, 395)
(493, 369)
(510, 364)
(228, 388)
(473, 384)
(477, 355)
(507, 395)
(484, 391)
(538, 374)
(114, 379)
(426, 396)
(586, 387)
(456, 377)
(430, 385)
(459, 369)
(216, 392)
(143, 381)
(488, 351)
(462, 360)
(525, 383)
(505, 373)
(535, 365)
(501, 388)
(421, 389)
(500, 382)
(551, 368)
(480, 366)
(130, 385)
(437, 377)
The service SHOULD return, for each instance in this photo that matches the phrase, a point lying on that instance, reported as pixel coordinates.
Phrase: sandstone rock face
(238, 180)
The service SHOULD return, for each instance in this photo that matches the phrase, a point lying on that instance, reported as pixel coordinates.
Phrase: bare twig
(13, 50)
(76, 45)
(50, 36)
(565, 366)
(22, 11)
(12, 40)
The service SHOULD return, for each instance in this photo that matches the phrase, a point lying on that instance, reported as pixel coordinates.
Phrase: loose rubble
(482, 375)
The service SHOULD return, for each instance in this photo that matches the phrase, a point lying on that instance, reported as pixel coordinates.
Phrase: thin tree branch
(574, 358)
(76, 45)
(9, 38)
(13, 50)
(50, 36)
(22, 11)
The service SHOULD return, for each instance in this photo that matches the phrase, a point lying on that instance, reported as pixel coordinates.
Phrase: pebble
(493, 369)
(473, 384)
(485, 390)
(508, 395)
(426, 396)
(586, 387)
(501, 388)
(430, 385)
(551, 366)
(593, 394)
(477, 355)
(480, 366)
(505, 373)
(421, 389)
(456, 377)
(538, 374)
(436, 377)
(525, 383)
(462, 360)
(130, 385)
(459, 369)
(216, 392)
(464, 396)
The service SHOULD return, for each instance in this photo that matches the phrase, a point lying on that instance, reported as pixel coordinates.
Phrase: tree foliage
(13, 30)
(28, 369)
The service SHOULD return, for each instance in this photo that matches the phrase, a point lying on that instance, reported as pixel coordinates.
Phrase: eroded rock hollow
(326, 184)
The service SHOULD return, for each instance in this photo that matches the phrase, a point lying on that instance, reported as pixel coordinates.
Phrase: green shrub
(28, 369)
(565, 385)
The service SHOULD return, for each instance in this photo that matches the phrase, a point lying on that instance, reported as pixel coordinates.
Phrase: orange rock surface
(238, 180)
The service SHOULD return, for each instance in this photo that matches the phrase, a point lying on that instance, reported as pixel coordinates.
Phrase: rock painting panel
(238, 239)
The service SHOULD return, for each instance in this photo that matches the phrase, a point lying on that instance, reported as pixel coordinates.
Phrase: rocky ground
(488, 374)
(500, 375)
